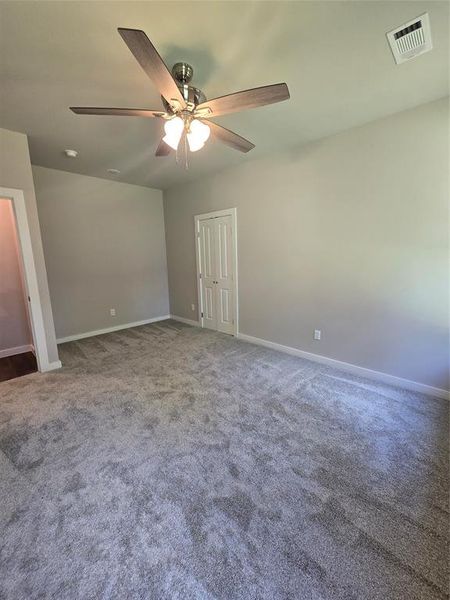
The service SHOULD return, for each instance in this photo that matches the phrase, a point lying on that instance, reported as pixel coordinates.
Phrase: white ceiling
(333, 55)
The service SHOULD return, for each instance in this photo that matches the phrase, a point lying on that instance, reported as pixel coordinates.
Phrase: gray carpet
(169, 462)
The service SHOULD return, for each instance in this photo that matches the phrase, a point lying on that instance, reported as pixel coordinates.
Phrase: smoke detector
(411, 39)
(71, 153)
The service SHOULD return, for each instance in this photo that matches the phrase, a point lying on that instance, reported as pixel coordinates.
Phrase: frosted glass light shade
(194, 143)
(174, 129)
(197, 135)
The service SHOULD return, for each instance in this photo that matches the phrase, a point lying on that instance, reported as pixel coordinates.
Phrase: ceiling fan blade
(120, 112)
(268, 94)
(229, 137)
(149, 59)
(163, 149)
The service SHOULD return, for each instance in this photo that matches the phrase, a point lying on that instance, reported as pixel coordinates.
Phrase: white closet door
(216, 270)
(224, 274)
(208, 272)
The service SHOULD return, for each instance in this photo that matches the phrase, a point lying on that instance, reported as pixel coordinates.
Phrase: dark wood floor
(17, 365)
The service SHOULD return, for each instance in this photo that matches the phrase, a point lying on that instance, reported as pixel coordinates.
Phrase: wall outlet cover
(317, 334)
(112, 312)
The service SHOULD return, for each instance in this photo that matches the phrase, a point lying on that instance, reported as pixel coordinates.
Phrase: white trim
(407, 384)
(187, 321)
(80, 336)
(16, 350)
(52, 366)
(30, 279)
(211, 215)
(216, 213)
(197, 270)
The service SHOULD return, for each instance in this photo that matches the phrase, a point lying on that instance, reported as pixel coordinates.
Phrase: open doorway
(29, 279)
(17, 354)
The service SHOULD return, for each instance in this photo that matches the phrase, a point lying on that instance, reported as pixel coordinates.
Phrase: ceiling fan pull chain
(177, 156)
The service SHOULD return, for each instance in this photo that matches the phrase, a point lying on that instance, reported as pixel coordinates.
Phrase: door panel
(225, 306)
(224, 256)
(225, 284)
(208, 249)
(209, 303)
(207, 270)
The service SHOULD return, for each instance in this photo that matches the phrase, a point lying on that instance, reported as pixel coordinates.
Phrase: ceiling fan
(187, 111)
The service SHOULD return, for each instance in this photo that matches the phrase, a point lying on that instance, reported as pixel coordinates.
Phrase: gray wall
(14, 324)
(104, 247)
(348, 235)
(15, 172)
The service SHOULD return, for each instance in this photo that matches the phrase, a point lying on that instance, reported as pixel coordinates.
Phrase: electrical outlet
(112, 312)
(193, 307)
(317, 334)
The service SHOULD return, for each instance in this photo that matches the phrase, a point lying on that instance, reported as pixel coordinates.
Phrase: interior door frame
(30, 277)
(211, 215)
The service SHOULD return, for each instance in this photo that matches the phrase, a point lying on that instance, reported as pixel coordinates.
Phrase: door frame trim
(30, 278)
(211, 215)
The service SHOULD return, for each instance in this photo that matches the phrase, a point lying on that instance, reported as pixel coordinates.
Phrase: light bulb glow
(194, 143)
(197, 135)
(200, 130)
(174, 129)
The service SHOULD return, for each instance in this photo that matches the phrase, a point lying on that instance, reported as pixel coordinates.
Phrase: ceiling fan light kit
(174, 129)
(187, 111)
(197, 132)
(197, 135)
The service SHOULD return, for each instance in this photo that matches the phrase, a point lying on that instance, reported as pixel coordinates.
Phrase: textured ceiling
(333, 55)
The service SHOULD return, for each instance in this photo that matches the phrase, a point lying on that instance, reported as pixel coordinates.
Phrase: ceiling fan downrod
(182, 73)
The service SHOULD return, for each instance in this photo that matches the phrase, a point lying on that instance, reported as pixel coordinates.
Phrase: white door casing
(217, 270)
(30, 279)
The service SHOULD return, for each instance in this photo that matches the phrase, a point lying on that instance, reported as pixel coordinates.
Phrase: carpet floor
(169, 462)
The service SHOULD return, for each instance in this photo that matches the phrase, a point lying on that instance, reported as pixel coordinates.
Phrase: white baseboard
(407, 384)
(187, 321)
(16, 350)
(51, 366)
(80, 336)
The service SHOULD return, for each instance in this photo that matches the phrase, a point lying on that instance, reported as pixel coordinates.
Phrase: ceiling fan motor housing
(182, 73)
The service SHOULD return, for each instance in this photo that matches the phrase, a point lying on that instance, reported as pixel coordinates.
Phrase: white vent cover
(411, 39)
